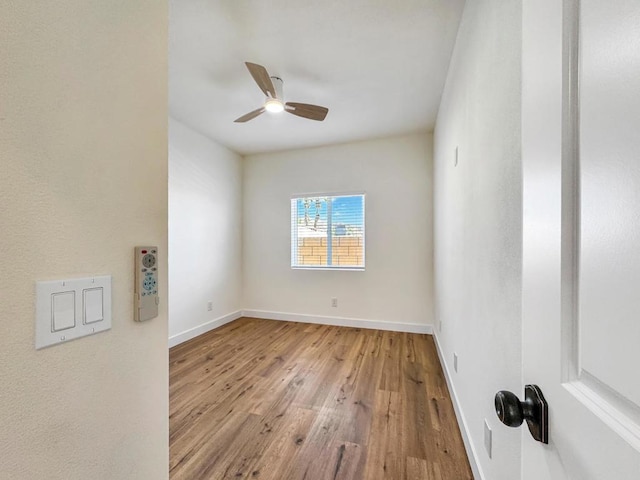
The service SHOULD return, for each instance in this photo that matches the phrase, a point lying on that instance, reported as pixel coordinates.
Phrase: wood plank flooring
(263, 399)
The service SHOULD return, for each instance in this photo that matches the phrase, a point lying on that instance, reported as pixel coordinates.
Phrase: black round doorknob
(534, 409)
(509, 408)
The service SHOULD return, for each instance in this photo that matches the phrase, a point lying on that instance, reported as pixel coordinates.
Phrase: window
(327, 231)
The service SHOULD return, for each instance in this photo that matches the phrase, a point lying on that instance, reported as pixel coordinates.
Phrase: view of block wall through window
(327, 231)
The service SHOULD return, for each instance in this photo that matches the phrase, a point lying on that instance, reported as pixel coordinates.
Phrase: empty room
(341, 240)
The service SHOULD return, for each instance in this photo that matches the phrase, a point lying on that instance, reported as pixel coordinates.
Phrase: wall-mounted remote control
(146, 294)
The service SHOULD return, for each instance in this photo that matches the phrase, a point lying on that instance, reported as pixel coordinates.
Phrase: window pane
(327, 231)
(312, 231)
(347, 231)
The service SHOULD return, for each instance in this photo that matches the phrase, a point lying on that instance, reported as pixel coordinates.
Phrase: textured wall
(478, 223)
(83, 178)
(205, 230)
(395, 174)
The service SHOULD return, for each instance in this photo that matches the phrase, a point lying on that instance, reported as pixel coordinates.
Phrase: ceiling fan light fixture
(272, 88)
(274, 105)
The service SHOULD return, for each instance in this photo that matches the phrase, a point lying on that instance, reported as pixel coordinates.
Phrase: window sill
(343, 269)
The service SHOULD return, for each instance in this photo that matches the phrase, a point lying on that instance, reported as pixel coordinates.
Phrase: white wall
(205, 227)
(478, 217)
(396, 175)
(83, 155)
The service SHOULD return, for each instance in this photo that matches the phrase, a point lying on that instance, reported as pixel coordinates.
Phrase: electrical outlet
(209, 306)
(487, 438)
(334, 302)
(455, 361)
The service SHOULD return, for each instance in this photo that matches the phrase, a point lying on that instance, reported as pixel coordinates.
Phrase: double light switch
(69, 309)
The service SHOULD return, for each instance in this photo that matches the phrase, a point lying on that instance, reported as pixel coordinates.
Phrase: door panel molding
(570, 247)
(614, 409)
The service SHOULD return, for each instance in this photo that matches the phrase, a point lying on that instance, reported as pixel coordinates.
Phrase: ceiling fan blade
(262, 78)
(312, 112)
(250, 115)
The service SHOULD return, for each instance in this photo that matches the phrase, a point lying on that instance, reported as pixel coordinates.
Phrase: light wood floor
(273, 400)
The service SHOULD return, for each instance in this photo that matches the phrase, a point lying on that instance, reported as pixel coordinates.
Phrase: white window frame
(294, 233)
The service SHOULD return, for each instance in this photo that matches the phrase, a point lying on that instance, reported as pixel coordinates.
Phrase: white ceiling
(378, 65)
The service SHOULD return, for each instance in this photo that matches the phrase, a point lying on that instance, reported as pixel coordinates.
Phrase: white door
(581, 234)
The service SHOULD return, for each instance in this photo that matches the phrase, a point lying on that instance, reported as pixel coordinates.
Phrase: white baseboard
(462, 422)
(204, 328)
(295, 317)
(340, 321)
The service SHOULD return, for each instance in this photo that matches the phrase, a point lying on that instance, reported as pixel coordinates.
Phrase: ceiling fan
(272, 88)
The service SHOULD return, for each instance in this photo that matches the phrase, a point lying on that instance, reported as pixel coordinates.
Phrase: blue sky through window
(346, 210)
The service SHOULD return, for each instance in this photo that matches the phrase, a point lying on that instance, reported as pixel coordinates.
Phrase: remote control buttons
(149, 283)
(148, 260)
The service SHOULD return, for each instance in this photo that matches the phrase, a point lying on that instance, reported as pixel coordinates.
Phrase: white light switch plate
(70, 309)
